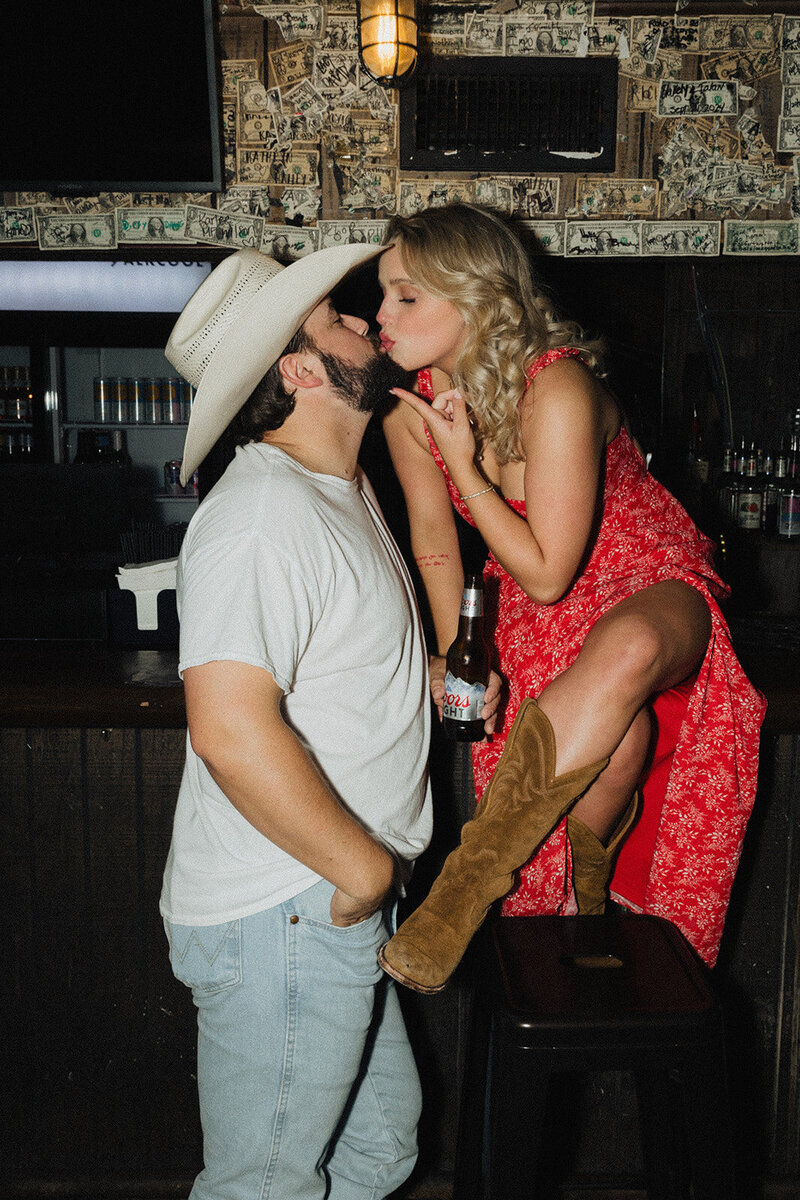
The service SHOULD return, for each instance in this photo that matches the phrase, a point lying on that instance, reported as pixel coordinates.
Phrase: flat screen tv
(110, 97)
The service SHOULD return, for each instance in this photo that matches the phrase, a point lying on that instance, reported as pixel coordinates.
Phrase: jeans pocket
(207, 958)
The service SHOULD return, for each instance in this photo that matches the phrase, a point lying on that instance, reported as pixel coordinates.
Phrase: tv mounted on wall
(110, 97)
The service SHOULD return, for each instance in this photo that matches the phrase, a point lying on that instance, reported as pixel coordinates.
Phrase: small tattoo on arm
(432, 560)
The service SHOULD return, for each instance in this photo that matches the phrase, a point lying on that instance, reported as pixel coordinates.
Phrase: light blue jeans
(308, 1087)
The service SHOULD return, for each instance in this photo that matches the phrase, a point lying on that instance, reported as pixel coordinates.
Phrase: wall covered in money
(708, 138)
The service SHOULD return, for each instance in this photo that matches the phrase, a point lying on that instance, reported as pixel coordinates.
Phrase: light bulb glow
(388, 38)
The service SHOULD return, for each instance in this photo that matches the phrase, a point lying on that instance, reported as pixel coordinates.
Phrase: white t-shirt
(297, 573)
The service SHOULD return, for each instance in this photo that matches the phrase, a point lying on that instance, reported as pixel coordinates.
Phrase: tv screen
(110, 97)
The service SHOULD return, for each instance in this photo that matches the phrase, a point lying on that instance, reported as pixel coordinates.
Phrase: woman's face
(417, 329)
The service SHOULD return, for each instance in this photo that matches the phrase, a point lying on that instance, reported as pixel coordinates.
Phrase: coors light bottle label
(462, 701)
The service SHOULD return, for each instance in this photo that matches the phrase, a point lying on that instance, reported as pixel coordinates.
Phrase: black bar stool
(619, 992)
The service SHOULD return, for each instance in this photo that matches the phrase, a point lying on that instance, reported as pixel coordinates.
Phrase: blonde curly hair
(474, 258)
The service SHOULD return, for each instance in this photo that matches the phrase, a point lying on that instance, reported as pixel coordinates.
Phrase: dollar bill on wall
(17, 224)
(286, 166)
(223, 228)
(245, 201)
(542, 39)
(416, 194)
(287, 243)
(790, 67)
(788, 135)
(790, 39)
(151, 225)
(698, 98)
(532, 196)
(616, 197)
(295, 21)
(300, 202)
(761, 237)
(736, 33)
(603, 239)
(483, 33)
(346, 233)
(561, 10)
(95, 231)
(336, 76)
(684, 239)
(291, 63)
(234, 69)
(546, 237)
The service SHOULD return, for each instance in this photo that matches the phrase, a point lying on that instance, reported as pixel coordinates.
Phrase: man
(304, 795)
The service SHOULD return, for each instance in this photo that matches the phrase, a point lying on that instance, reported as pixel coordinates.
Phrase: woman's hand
(449, 424)
(491, 702)
(491, 699)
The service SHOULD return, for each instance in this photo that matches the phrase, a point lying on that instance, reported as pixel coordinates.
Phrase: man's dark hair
(269, 404)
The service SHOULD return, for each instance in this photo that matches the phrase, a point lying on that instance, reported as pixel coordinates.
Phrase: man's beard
(367, 388)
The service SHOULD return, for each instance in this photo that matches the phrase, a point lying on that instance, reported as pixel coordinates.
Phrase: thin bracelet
(472, 495)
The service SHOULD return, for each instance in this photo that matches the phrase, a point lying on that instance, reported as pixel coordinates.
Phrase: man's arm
(237, 729)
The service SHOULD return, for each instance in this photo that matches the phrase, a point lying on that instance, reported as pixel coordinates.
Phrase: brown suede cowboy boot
(521, 806)
(593, 861)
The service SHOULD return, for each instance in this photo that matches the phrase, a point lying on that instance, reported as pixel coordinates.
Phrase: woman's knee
(629, 649)
(652, 640)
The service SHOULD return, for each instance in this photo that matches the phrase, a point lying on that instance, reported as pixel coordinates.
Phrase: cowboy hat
(236, 325)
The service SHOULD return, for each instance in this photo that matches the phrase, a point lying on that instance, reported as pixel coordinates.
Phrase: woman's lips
(386, 342)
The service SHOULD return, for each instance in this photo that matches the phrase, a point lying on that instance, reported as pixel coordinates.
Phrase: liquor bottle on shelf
(749, 496)
(119, 448)
(789, 498)
(772, 481)
(725, 481)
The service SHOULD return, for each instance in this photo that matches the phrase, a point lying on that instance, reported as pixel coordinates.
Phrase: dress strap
(549, 357)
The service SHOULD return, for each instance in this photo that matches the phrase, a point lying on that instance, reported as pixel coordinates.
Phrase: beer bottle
(749, 497)
(772, 493)
(467, 669)
(725, 482)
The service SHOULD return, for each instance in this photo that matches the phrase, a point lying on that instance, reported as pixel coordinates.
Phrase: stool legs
(548, 1015)
(518, 1088)
(663, 1147)
(708, 1122)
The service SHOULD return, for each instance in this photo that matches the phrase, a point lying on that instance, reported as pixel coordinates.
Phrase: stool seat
(618, 992)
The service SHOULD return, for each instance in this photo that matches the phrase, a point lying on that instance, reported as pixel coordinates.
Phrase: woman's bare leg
(645, 644)
(603, 804)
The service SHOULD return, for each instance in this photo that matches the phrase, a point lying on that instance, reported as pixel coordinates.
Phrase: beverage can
(184, 399)
(136, 401)
(152, 401)
(170, 401)
(102, 400)
(118, 394)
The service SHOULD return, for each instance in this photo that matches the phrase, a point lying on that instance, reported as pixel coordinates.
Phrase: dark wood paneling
(101, 1065)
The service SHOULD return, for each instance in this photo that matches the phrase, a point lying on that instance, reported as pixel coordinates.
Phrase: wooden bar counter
(100, 1089)
(89, 684)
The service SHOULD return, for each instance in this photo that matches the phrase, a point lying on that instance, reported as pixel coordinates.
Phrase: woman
(606, 609)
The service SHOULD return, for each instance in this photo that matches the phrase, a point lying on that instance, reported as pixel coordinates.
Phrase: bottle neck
(471, 600)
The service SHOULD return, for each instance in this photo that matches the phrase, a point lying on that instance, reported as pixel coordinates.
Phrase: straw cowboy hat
(236, 325)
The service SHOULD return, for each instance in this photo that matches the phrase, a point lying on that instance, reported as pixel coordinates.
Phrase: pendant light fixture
(387, 39)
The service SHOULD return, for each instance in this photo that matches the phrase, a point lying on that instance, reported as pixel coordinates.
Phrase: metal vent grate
(512, 114)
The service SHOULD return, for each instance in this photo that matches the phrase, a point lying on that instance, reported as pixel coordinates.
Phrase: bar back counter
(101, 1094)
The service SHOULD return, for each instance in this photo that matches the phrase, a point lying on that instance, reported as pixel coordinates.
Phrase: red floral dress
(681, 857)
